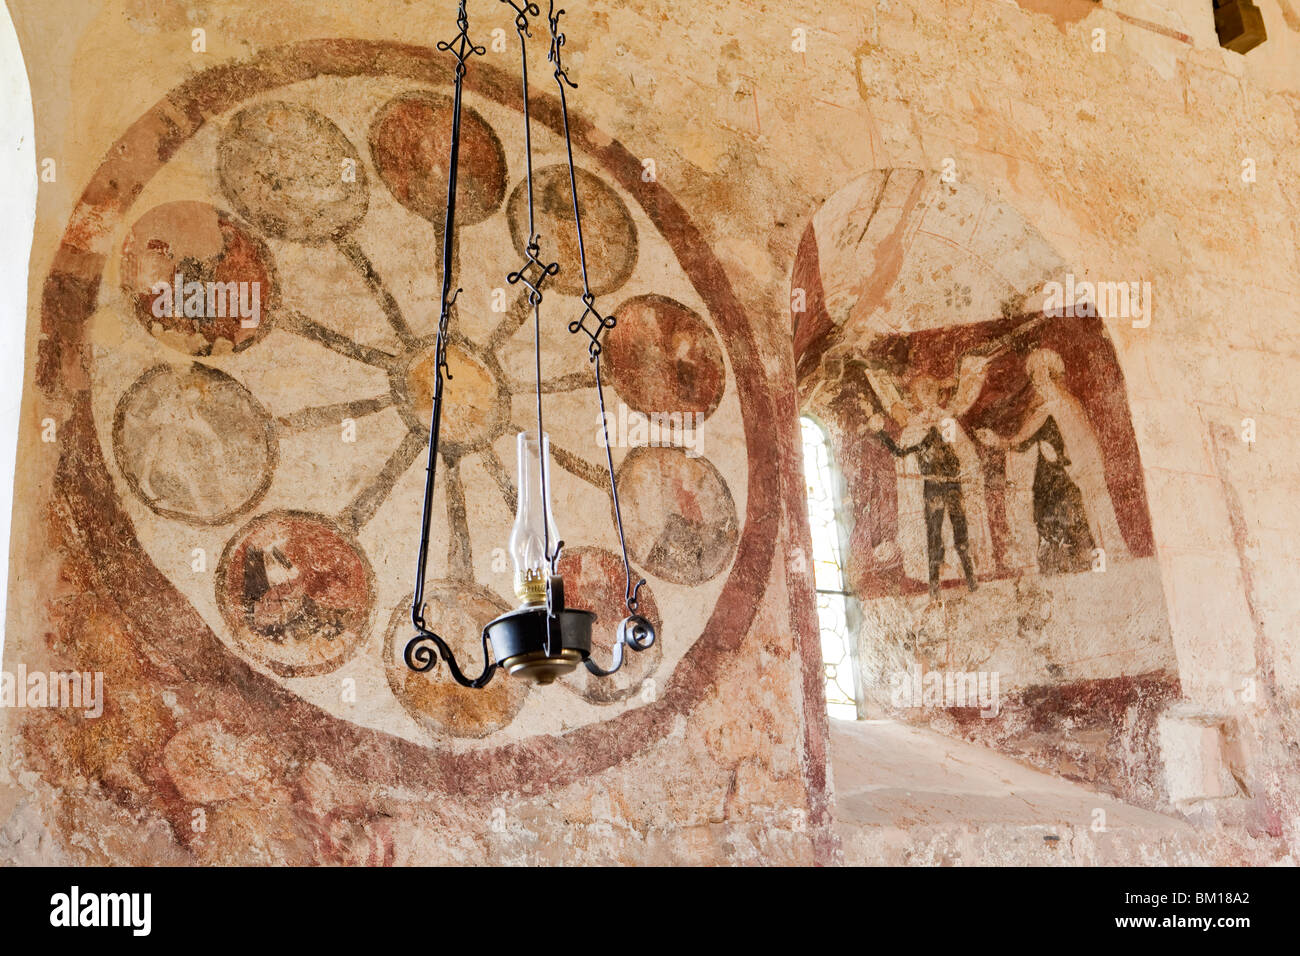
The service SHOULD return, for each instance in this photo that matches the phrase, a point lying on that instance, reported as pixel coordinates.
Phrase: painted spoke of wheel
(365, 505)
(577, 465)
(492, 461)
(562, 383)
(353, 253)
(321, 416)
(299, 324)
(460, 561)
(516, 316)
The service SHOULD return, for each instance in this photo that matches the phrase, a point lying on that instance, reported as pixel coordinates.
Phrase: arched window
(836, 612)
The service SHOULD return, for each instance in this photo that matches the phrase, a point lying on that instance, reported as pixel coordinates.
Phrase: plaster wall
(213, 747)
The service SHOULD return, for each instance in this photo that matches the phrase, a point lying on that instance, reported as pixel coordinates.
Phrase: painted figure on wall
(1056, 481)
(989, 467)
(177, 447)
(945, 457)
(985, 452)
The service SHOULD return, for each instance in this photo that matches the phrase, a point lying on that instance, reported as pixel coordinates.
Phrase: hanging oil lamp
(542, 639)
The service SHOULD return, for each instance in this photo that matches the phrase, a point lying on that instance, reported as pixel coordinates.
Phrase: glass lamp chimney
(533, 519)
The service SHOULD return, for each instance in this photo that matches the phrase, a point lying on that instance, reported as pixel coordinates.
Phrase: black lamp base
(529, 645)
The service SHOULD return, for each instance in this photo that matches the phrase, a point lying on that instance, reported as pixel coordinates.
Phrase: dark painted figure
(941, 469)
(1064, 541)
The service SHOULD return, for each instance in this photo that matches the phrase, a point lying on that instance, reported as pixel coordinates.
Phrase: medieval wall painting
(999, 519)
(998, 468)
(292, 452)
(252, 488)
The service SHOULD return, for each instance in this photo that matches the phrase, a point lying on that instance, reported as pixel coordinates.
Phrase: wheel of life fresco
(271, 461)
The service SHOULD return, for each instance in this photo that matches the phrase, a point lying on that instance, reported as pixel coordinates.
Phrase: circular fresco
(301, 461)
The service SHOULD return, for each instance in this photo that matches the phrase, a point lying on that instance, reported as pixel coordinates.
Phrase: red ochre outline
(163, 619)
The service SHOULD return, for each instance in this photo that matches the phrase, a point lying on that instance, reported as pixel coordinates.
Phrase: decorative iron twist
(603, 322)
(420, 656)
(460, 46)
(557, 41)
(522, 13)
(534, 272)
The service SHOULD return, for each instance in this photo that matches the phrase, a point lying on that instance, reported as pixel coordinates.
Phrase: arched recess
(1001, 546)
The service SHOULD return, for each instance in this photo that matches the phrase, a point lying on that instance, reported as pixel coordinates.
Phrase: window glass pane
(828, 571)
